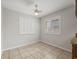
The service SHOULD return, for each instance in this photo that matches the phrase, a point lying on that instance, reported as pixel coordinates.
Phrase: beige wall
(10, 36)
(68, 28)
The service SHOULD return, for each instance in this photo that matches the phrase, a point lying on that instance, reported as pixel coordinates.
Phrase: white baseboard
(32, 42)
(57, 46)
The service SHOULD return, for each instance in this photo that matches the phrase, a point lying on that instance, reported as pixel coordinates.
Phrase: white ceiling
(27, 6)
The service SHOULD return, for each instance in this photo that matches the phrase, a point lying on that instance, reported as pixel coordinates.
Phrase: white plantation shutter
(26, 26)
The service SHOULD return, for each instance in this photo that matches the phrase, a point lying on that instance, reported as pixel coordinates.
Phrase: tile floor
(36, 51)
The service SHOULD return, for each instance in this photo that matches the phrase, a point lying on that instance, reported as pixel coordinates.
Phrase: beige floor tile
(16, 57)
(37, 51)
(5, 55)
(14, 52)
(64, 55)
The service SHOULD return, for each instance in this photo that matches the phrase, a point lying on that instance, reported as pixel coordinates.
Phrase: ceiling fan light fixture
(36, 13)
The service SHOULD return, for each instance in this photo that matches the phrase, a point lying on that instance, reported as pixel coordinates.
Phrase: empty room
(38, 29)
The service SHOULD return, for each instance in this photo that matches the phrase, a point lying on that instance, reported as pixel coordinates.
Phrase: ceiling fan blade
(36, 9)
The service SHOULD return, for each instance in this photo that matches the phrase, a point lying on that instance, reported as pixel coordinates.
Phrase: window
(53, 25)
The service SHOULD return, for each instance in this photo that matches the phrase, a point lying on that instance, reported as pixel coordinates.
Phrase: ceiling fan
(37, 11)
